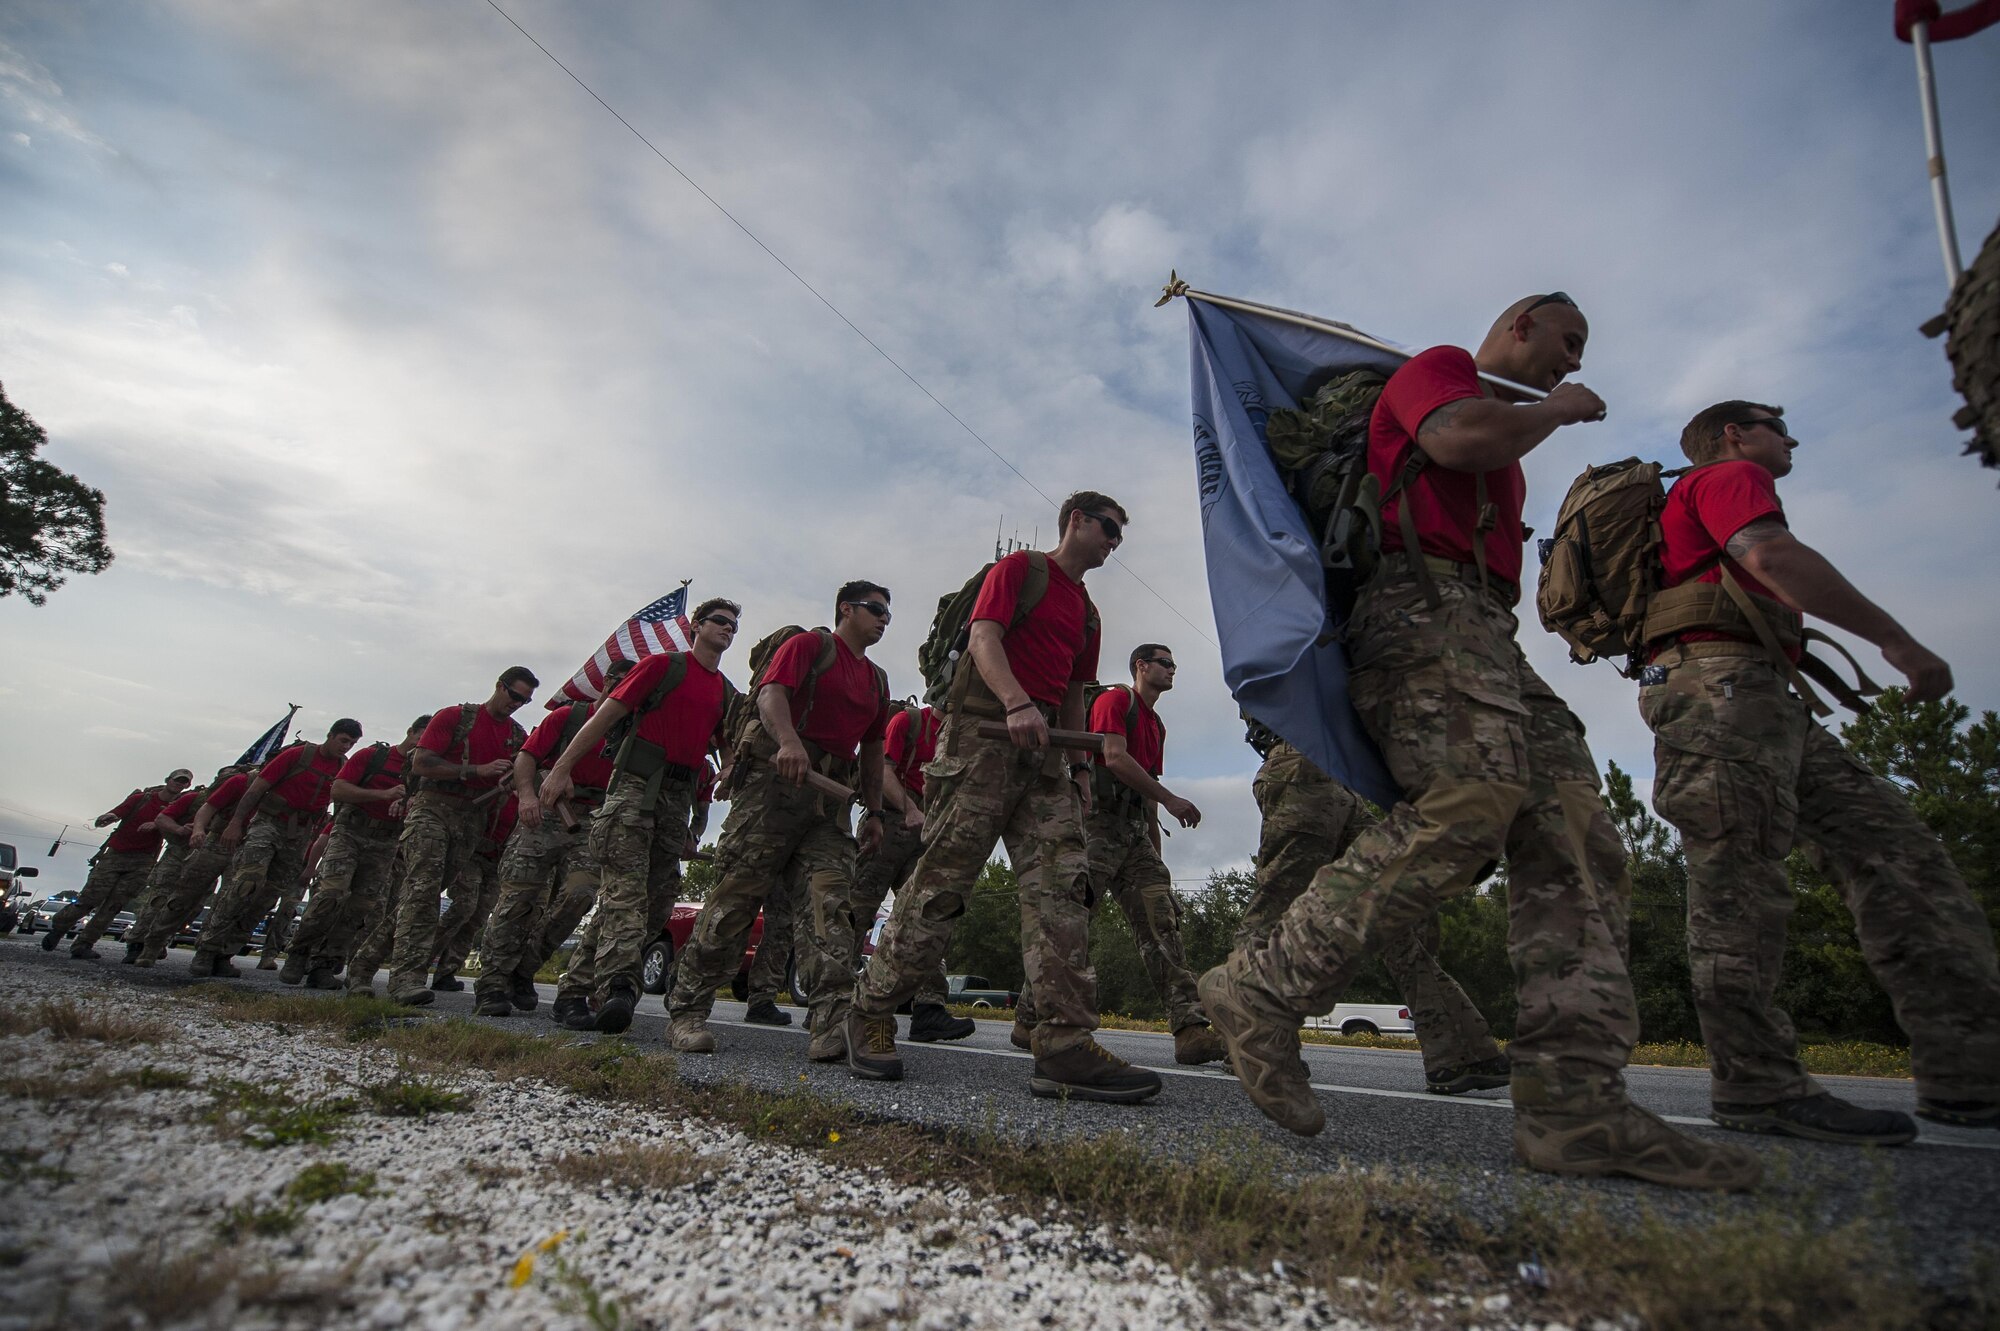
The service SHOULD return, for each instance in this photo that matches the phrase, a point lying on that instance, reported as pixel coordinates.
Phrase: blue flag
(269, 742)
(1279, 654)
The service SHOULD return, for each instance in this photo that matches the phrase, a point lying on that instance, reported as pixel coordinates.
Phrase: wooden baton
(1058, 739)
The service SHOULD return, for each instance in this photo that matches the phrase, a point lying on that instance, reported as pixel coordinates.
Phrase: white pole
(1920, 38)
(1338, 330)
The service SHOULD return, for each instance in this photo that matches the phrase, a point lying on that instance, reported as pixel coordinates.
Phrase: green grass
(1378, 1242)
(249, 1220)
(268, 1117)
(327, 1180)
(413, 1097)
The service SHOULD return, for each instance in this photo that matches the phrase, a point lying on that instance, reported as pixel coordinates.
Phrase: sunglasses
(723, 620)
(1775, 422)
(1553, 298)
(1113, 530)
(875, 608)
(1161, 662)
(521, 699)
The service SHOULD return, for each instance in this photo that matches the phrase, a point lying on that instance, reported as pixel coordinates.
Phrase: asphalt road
(1941, 1189)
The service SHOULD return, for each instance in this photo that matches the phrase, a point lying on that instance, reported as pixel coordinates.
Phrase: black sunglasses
(1113, 530)
(1553, 298)
(1162, 662)
(1775, 422)
(723, 620)
(521, 699)
(875, 608)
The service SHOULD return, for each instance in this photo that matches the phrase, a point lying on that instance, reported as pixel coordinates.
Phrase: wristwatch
(1076, 768)
(872, 813)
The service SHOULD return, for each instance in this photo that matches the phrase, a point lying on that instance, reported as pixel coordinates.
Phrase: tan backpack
(1602, 566)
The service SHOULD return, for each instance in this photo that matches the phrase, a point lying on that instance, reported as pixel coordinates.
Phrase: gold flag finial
(1174, 287)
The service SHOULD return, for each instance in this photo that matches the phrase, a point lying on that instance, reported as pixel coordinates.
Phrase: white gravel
(103, 1192)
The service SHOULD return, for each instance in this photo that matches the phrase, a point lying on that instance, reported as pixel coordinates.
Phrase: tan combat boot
(829, 1041)
(1022, 1036)
(1629, 1141)
(1198, 1044)
(1263, 1051)
(871, 1047)
(688, 1033)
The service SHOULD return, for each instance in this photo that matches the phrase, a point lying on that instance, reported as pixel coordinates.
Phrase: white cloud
(433, 367)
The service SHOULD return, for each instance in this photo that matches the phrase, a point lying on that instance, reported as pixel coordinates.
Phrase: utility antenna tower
(1003, 548)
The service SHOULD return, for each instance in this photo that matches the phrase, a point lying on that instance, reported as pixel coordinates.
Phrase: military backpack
(1106, 790)
(942, 657)
(745, 729)
(1601, 588)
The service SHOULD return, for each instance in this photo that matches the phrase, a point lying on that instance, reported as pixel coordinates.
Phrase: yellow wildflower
(523, 1269)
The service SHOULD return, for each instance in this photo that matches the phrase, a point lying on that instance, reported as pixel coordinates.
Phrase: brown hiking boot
(688, 1033)
(1089, 1071)
(297, 964)
(871, 1047)
(828, 1044)
(1022, 1037)
(1629, 1141)
(1198, 1044)
(1263, 1052)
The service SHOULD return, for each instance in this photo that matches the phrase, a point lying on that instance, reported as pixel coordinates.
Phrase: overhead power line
(817, 295)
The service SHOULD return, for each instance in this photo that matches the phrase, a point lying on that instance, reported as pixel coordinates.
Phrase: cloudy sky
(400, 360)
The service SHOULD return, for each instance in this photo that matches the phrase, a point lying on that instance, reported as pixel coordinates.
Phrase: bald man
(1492, 764)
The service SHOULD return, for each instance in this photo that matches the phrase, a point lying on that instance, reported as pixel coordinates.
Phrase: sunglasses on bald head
(1553, 298)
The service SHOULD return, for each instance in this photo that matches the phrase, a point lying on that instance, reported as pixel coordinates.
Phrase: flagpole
(1920, 38)
(1176, 287)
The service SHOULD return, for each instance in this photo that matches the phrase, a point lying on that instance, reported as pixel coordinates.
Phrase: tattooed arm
(1485, 434)
(1807, 581)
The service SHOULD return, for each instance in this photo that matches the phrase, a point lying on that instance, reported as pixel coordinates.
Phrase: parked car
(36, 918)
(801, 995)
(656, 967)
(977, 991)
(13, 893)
(1367, 1019)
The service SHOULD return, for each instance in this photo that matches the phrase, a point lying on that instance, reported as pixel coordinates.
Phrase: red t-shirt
(1049, 648)
(848, 706)
(182, 809)
(302, 776)
(1705, 508)
(688, 721)
(141, 806)
(909, 767)
(1442, 502)
(1146, 741)
(223, 799)
(390, 777)
(593, 769)
(491, 737)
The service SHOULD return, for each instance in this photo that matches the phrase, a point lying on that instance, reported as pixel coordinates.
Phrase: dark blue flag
(1280, 656)
(269, 742)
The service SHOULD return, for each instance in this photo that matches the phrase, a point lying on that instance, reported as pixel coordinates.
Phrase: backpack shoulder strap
(378, 758)
(1033, 588)
(670, 679)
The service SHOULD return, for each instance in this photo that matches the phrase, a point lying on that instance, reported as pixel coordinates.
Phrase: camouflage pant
(772, 827)
(1125, 867)
(380, 938)
(559, 921)
(441, 836)
(1742, 769)
(348, 898)
(638, 854)
(159, 882)
(1310, 820)
(982, 791)
(774, 945)
(1492, 763)
(280, 927)
(181, 900)
(874, 879)
(115, 878)
(474, 893)
(266, 865)
(535, 872)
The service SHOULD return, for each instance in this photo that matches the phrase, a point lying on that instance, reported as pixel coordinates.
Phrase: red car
(657, 969)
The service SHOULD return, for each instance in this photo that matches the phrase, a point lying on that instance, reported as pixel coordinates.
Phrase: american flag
(269, 742)
(660, 627)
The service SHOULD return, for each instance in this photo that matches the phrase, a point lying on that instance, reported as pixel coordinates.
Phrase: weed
(413, 1097)
(67, 1019)
(21, 1166)
(658, 1168)
(575, 1293)
(85, 1085)
(166, 1289)
(247, 1219)
(268, 1117)
(150, 1078)
(325, 1181)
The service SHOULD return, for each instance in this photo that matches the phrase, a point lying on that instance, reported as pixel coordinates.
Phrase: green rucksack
(743, 726)
(943, 649)
(1105, 788)
(1321, 451)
